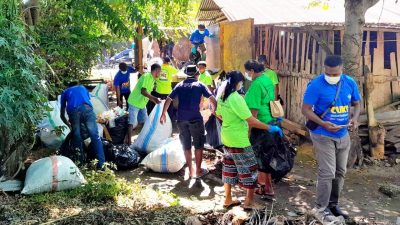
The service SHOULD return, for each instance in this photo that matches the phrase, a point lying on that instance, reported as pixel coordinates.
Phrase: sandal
(261, 191)
(233, 204)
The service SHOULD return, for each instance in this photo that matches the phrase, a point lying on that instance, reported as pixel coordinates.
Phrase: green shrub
(22, 94)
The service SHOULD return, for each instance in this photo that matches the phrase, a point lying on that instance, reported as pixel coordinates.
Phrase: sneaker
(325, 216)
(338, 212)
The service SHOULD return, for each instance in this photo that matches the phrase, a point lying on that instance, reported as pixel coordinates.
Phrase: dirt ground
(295, 195)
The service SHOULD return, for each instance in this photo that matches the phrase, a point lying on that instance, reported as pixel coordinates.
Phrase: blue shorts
(137, 115)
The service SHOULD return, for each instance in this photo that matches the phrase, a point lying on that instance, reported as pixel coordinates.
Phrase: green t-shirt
(235, 130)
(206, 78)
(164, 82)
(136, 98)
(260, 93)
(272, 75)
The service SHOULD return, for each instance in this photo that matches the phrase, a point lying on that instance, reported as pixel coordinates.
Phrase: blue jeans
(84, 115)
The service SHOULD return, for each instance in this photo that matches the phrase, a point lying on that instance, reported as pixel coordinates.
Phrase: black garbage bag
(75, 154)
(120, 130)
(213, 129)
(274, 153)
(122, 156)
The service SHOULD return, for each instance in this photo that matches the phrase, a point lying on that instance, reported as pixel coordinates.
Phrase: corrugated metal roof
(297, 12)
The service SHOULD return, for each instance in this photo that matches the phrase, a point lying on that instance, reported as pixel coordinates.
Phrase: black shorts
(263, 143)
(189, 130)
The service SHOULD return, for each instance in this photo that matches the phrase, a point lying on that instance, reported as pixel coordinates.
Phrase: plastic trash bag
(121, 155)
(275, 153)
(118, 133)
(153, 133)
(213, 132)
(169, 158)
(55, 173)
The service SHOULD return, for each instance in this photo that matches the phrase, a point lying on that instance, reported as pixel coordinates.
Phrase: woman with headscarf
(240, 164)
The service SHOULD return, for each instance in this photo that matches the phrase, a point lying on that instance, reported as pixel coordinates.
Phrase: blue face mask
(201, 31)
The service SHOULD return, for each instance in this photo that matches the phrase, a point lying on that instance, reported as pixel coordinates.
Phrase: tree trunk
(139, 49)
(376, 131)
(351, 52)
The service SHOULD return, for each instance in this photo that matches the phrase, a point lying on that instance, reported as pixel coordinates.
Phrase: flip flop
(251, 208)
(233, 204)
(203, 173)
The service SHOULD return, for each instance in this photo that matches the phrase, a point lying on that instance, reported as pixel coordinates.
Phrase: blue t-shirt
(74, 97)
(123, 80)
(197, 38)
(189, 93)
(320, 94)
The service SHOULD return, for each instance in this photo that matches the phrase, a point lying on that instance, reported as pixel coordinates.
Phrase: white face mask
(124, 72)
(201, 31)
(332, 80)
(247, 76)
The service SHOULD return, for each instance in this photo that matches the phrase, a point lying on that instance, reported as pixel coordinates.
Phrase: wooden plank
(319, 61)
(394, 70)
(303, 52)
(367, 61)
(267, 42)
(398, 53)
(291, 51)
(378, 55)
(341, 37)
(307, 68)
(331, 38)
(279, 50)
(294, 128)
(367, 44)
(323, 55)
(287, 51)
(274, 64)
(297, 53)
(313, 62)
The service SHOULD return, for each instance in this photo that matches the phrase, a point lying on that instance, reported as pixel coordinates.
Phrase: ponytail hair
(233, 78)
(254, 65)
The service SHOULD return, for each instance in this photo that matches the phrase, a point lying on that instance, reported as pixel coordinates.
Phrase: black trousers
(126, 96)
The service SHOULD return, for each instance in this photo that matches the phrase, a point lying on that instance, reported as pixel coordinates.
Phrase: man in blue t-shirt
(122, 84)
(76, 101)
(190, 122)
(197, 40)
(331, 138)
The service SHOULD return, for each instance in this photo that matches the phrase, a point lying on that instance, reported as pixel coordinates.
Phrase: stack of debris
(389, 117)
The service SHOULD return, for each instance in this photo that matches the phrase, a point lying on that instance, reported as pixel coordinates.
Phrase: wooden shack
(295, 36)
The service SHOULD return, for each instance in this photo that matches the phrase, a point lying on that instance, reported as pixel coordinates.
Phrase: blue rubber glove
(194, 50)
(212, 35)
(279, 120)
(275, 129)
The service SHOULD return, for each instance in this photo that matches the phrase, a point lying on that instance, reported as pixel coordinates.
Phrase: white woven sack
(47, 127)
(153, 134)
(169, 158)
(101, 91)
(98, 105)
(55, 173)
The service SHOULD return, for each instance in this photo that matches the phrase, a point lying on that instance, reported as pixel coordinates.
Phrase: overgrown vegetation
(22, 94)
(104, 199)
